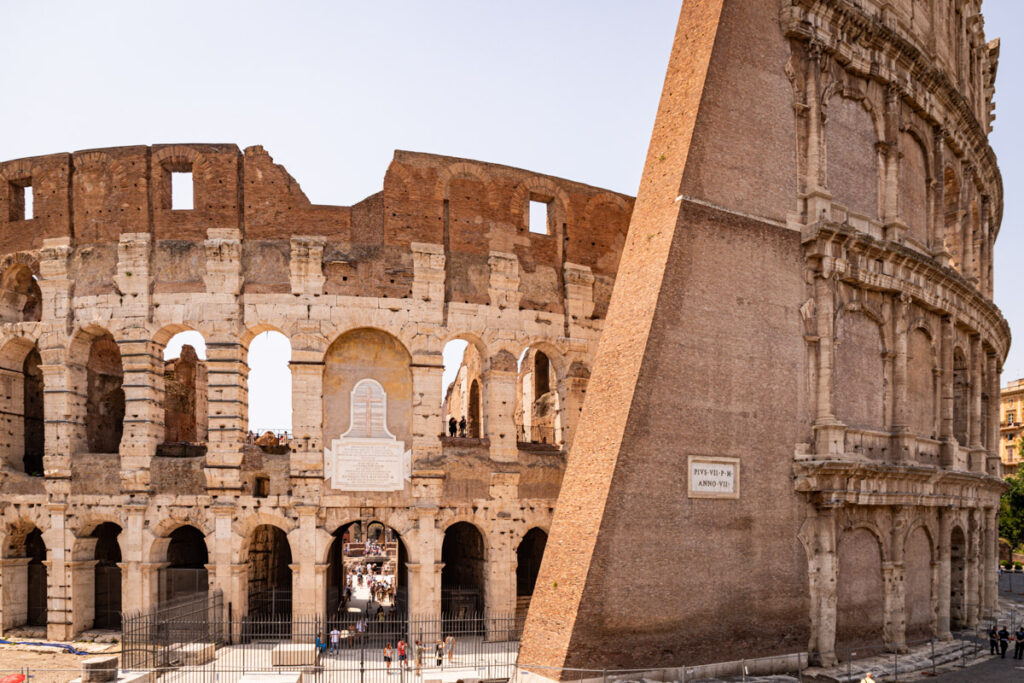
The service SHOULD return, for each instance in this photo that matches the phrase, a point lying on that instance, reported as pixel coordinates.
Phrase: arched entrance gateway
(462, 577)
(528, 557)
(186, 575)
(366, 574)
(270, 574)
(107, 577)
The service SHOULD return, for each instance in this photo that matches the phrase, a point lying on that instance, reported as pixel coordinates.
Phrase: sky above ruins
(331, 89)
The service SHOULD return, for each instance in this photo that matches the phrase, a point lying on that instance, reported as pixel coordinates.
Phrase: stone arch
(353, 558)
(268, 378)
(539, 188)
(21, 300)
(919, 563)
(464, 170)
(952, 222)
(267, 556)
(859, 588)
(96, 553)
(186, 551)
(600, 199)
(922, 382)
(914, 186)
(463, 576)
(961, 395)
(539, 400)
(399, 182)
(529, 552)
(176, 158)
(25, 589)
(22, 442)
(852, 133)
(185, 385)
(859, 380)
(96, 365)
(458, 396)
(367, 353)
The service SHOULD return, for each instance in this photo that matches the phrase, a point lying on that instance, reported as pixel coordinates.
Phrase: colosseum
(129, 481)
(790, 440)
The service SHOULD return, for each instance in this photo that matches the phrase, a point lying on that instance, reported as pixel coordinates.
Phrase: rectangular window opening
(22, 206)
(539, 217)
(181, 190)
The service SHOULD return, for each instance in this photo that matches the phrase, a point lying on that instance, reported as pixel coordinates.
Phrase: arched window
(462, 577)
(538, 407)
(270, 386)
(107, 577)
(362, 555)
(20, 297)
(186, 416)
(270, 577)
(461, 409)
(851, 156)
(187, 557)
(105, 396)
(859, 372)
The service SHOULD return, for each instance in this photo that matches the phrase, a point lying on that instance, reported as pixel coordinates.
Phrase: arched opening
(859, 387)
(20, 297)
(185, 575)
(921, 411)
(107, 577)
(21, 407)
(35, 551)
(917, 563)
(367, 574)
(914, 188)
(952, 237)
(538, 413)
(852, 158)
(528, 557)
(957, 579)
(32, 404)
(461, 411)
(859, 591)
(104, 422)
(960, 397)
(462, 577)
(270, 387)
(270, 576)
(186, 415)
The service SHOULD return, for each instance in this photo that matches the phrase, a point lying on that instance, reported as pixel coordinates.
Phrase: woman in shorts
(403, 657)
(387, 656)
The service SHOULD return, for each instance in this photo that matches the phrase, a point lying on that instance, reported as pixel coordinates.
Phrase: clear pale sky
(331, 89)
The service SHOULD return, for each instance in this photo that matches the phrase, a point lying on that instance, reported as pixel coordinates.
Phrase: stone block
(293, 654)
(99, 669)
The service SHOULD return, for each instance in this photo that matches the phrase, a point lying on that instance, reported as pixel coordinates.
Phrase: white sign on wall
(711, 477)
(367, 457)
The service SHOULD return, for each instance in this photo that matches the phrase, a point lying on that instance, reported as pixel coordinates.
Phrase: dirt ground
(46, 667)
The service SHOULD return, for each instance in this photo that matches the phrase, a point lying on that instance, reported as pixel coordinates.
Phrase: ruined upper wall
(93, 198)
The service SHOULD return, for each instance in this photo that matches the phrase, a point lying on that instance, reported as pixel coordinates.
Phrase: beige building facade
(120, 490)
(1011, 425)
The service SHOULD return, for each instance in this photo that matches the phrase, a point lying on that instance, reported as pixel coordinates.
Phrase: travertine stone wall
(106, 272)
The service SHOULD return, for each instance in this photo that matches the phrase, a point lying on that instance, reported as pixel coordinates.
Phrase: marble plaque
(713, 477)
(367, 457)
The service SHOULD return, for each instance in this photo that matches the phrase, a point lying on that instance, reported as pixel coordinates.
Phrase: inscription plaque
(367, 457)
(710, 477)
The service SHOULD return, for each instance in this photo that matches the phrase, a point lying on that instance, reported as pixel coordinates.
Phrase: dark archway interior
(107, 587)
(541, 375)
(528, 557)
(33, 412)
(270, 577)
(35, 551)
(957, 579)
(105, 396)
(462, 577)
(187, 558)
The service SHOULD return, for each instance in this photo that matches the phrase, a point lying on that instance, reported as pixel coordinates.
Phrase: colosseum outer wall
(374, 290)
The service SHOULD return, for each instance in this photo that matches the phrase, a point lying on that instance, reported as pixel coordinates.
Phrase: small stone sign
(710, 477)
(367, 457)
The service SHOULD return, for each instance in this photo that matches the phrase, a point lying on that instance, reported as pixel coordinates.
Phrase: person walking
(335, 640)
(462, 427)
(449, 646)
(419, 656)
(993, 640)
(403, 656)
(387, 656)
(1004, 641)
(1018, 648)
(439, 652)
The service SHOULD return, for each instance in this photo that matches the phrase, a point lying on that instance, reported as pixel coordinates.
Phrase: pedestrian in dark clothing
(462, 427)
(1004, 641)
(452, 426)
(993, 641)
(1018, 649)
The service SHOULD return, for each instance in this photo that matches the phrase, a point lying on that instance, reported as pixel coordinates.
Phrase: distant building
(1011, 415)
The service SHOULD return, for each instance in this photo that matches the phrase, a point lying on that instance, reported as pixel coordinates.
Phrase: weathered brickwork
(105, 271)
(805, 295)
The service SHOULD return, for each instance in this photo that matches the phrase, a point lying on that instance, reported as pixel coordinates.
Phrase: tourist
(387, 656)
(452, 426)
(993, 641)
(419, 656)
(403, 657)
(335, 640)
(462, 427)
(439, 653)
(321, 643)
(1004, 641)
(449, 645)
(868, 678)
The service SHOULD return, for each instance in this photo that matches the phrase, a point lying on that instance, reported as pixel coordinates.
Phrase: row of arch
(183, 558)
(96, 362)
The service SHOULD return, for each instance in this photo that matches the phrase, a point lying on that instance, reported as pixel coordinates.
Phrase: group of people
(443, 648)
(999, 641)
(457, 427)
